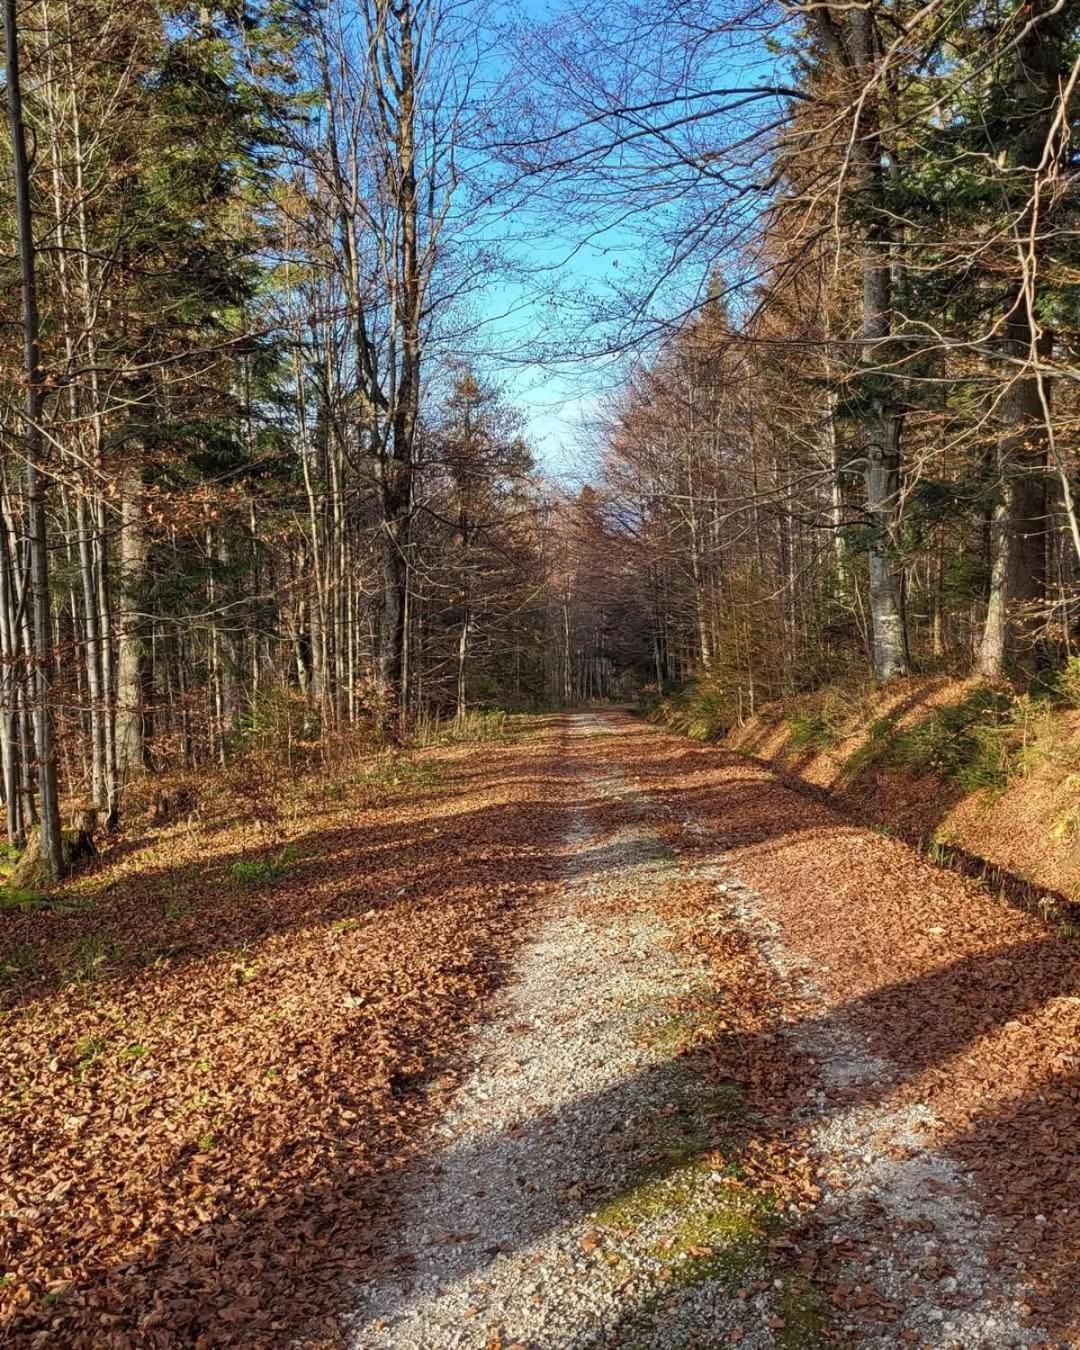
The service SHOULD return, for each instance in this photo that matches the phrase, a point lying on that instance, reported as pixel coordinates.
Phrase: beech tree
(31, 587)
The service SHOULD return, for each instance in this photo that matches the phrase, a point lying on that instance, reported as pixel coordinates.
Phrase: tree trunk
(1018, 529)
(41, 640)
(882, 495)
(853, 44)
(392, 617)
(462, 668)
(130, 748)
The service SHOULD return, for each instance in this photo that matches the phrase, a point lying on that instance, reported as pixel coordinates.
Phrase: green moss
(673, 1035)
(805, 1312)
(695, 1222)
(23, 898)
(679, 1033)
(9, 856)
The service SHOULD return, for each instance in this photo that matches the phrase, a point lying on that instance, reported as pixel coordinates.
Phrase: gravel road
(570, 1199)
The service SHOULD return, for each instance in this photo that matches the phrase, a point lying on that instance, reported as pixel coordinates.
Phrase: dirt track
(589, 1038)
(901, 1121)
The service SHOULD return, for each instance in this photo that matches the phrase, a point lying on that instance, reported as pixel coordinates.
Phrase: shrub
(971, 743)
(1060, 686)
(701, 711)
(811, 730)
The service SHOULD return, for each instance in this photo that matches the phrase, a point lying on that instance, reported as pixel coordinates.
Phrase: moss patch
(805, 1313)
(681, 1031)
(687, 1207)
(696, 1218)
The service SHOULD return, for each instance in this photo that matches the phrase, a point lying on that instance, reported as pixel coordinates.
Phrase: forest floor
(588, 1037)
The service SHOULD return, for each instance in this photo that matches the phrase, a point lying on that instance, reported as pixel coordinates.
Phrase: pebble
(600, 1085)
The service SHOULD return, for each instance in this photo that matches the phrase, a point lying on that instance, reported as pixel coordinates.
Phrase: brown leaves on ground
(207, 1069)
(214, 1045)
(977, 1004)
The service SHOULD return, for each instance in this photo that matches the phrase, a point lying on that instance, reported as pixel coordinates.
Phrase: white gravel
(497, 1244)
(912, 1216)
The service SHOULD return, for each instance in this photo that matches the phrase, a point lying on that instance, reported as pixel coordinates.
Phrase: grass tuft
(263, 871)
(90, 956)
(811, 730)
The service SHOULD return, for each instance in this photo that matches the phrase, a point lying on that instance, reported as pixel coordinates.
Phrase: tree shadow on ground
(163, 918)
(277, 1249)
(744, 817)
(216, 1280)
(909, 774)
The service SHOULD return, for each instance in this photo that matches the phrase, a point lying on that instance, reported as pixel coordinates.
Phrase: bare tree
(39, 629)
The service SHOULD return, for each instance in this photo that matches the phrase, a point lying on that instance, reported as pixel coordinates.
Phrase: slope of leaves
(206, 1067)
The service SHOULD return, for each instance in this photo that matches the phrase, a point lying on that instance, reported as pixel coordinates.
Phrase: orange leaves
(970, 1003)
(207, 1156)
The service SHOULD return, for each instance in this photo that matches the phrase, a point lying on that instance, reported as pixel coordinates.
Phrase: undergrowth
(971, 743)
(978, 743)
(811, 730)
(700, 711)
(691, 1210)
(263, 871)
(482, 725)
(368, 780)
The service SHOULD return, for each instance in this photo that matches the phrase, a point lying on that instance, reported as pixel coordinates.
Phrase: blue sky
(541, 321)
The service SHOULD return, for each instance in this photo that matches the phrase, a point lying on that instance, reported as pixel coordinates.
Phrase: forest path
(578, 1111)
(713, 1106)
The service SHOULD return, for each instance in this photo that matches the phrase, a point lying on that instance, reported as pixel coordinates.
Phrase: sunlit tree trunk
(131, 645)
(34, 445)
(1019, 525)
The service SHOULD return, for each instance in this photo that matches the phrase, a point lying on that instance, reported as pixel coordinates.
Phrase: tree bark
(1018, 527)
(131, 655)
(40, 628)
(853, 44)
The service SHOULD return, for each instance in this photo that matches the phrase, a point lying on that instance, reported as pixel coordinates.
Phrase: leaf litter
(966, 1016)
(205, 1082)
(216, 1090)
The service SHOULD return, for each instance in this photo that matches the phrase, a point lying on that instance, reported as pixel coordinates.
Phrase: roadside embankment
(981, 777)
